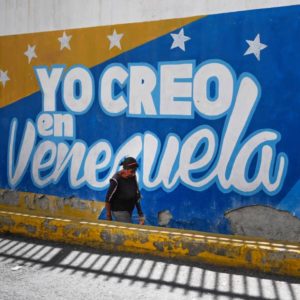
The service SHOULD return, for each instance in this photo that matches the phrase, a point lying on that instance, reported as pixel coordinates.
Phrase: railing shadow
(148, 270)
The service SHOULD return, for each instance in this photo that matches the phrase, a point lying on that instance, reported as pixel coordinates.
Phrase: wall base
(215, 249)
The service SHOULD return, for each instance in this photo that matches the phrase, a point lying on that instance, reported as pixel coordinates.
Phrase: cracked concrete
(6, 221)
(49, 226)
(28, 227)
(50, 205)
(8, 197)
(264, 221)
(109, 237)
(164, 217)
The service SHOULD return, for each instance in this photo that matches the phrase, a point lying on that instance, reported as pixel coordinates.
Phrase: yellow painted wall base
(50, 206)
(215, 249)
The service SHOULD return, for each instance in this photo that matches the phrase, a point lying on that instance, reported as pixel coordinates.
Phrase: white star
(30, 53)
(255, 47)
(65, 41)
(3, 77)
(115, 39)
(179, 40)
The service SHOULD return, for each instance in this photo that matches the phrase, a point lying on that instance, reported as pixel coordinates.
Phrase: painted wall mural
(210, 107)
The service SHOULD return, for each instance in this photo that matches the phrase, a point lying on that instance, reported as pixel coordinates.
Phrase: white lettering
(49, 84)
(224, 83)
(142, 84)
(78, 101)
(111, 103)
(175, 89)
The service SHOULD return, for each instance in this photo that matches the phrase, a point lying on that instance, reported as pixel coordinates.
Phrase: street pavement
(35, 269)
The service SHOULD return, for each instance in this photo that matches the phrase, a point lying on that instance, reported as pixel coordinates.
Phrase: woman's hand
(142, 220)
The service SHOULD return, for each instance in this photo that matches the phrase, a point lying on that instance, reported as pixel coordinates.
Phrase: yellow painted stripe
(89, 46)
(215, 249)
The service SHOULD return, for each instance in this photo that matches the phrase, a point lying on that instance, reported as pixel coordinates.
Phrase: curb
(215, 249)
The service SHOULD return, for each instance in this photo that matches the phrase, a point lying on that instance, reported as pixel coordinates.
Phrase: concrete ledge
(49, 205)
(215, 249)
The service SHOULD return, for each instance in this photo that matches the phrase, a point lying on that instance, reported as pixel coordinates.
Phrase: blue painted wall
(216, 38)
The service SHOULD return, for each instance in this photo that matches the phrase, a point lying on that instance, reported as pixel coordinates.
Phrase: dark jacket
(123, 194)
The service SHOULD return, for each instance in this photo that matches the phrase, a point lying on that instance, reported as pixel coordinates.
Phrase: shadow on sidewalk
(146, 270)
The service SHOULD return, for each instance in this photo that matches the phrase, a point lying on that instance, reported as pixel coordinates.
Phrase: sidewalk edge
(221, 250)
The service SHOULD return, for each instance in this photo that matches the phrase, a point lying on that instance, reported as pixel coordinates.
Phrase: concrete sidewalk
(32, 269)
(221, 250)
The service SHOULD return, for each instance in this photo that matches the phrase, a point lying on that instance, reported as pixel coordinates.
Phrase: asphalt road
(34, 269)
